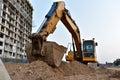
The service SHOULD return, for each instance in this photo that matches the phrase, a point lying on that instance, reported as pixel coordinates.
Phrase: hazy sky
(99, 19)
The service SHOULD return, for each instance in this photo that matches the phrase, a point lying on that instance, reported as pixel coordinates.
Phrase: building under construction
(15, 27)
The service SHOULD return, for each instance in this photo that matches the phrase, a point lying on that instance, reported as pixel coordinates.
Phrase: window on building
(4, 14)
(0, 51)
(9, 33)
(2, 28)
(11, 46)
(15, 29)
(1, 43)
(5, 1)
(11, 39)
(4, 7)
(13, 54)
(15, 35)
(18, 1)
(14, 41)
(1, 35)
(10, 53)
(3, 21)
(16, 22)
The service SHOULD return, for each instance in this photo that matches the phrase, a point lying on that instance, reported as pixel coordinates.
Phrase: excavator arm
(51, 19)
(73, 29)
(56, 13)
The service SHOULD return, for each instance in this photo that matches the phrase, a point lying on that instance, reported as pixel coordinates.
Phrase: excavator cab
(88, 52)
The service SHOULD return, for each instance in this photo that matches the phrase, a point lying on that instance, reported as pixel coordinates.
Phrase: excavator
(41, 49)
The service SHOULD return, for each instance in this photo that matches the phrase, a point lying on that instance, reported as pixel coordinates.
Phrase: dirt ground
(39, 70)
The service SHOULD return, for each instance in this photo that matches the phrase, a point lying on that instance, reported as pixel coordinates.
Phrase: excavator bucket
(51, 52)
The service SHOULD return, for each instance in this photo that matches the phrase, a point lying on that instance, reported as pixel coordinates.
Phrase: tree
(117, 62)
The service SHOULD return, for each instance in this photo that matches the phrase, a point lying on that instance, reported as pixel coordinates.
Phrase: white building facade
(15, 27)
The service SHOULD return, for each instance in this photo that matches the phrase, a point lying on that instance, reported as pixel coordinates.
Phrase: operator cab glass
(88, 47)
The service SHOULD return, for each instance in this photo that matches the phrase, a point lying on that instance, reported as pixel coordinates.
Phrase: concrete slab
(3, 72)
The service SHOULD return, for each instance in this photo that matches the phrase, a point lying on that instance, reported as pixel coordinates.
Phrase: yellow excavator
(87, 51)
(51, 52)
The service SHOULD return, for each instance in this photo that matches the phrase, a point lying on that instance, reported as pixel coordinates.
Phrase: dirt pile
(75, 68)
(116, 74)
(39, 70)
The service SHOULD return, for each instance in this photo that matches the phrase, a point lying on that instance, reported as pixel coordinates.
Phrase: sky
(99, 19)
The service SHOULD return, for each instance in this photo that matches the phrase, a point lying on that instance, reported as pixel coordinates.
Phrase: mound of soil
(40, 70)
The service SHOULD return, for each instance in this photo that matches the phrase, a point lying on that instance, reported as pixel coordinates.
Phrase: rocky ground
(39, 70)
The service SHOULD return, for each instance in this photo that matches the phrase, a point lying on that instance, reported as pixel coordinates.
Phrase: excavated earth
(40, 70)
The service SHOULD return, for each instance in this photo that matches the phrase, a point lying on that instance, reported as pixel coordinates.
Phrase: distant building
(109, 64)
(15, 26)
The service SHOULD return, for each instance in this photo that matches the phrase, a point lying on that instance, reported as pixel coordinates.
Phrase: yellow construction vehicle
(87, 51)
(40, 48)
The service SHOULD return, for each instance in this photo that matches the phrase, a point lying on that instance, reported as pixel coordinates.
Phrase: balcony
(8, 41)
(1, 47)
(1, 39)
(8, 48)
